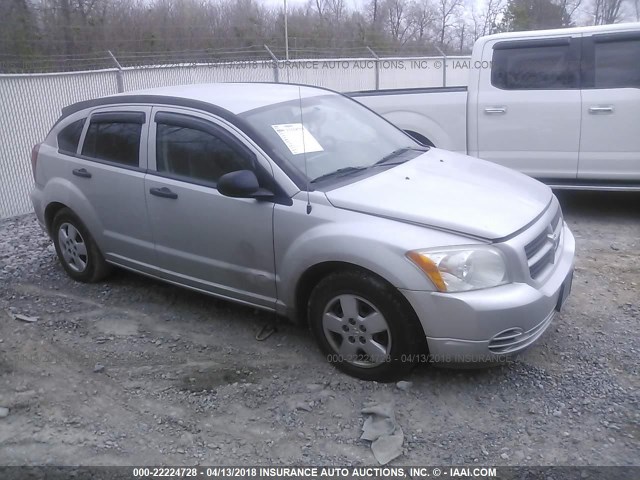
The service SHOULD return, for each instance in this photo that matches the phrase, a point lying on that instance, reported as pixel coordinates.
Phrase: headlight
(458, 269)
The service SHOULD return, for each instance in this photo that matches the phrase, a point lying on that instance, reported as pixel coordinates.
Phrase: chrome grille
(541, 251)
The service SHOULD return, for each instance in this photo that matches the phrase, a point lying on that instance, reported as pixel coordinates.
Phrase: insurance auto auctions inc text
(376, 472)
(417, 64)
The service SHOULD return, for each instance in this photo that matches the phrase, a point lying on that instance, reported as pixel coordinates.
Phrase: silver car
(301, 201)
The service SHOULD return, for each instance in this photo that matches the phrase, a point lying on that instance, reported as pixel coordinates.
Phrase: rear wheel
(364, 327)
(76, 249)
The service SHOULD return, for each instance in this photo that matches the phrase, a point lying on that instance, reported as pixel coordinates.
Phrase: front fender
(373, 243)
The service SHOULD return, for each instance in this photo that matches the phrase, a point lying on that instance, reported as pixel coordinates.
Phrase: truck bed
(435, 116)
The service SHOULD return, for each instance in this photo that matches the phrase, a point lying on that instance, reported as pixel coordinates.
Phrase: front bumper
(486, 325)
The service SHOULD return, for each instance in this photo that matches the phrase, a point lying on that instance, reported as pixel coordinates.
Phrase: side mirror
(242, 184)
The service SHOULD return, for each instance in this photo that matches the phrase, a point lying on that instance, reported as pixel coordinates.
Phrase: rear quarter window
(69, 137)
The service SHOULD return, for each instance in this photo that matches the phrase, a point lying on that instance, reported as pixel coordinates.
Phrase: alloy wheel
(73, 247)
(356, 331)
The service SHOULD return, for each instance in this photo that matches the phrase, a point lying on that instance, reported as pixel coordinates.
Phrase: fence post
(119, 78)
(276, 73)
(377, 70)
(444, 67)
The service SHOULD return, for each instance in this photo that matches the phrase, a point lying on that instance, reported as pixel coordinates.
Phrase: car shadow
(183, 302)
(598, 205)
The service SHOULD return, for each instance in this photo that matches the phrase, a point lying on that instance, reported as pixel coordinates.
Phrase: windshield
(338, 135)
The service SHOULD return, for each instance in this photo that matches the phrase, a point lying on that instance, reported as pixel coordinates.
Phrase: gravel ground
(133, 371)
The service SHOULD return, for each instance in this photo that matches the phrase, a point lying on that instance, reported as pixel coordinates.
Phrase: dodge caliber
(301, 201)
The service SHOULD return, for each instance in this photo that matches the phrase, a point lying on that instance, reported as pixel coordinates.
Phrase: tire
(364, 327)
(77, 250)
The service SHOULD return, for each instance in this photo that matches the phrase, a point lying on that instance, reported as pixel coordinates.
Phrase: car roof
(233, 97)
(592, 29)
(220, 98)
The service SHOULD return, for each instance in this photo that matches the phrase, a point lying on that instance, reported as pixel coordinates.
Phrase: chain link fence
(29, 106)
(31, 103)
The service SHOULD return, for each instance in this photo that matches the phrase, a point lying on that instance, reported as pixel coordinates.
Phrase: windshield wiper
(397, 153)
(383, 161)
(339, 173)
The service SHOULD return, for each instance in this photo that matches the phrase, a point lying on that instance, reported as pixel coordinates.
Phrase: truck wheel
(364, 327)
(76, 249)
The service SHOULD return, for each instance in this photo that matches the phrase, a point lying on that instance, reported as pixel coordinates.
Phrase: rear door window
(114, 137)
(617, 63)
(531, 66)
(69, 137)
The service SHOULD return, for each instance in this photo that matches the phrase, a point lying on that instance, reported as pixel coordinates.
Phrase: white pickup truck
(560, 105)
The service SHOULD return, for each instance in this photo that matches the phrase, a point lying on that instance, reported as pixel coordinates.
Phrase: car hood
(450, 191)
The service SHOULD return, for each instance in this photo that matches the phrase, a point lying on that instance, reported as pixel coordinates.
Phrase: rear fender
(63, 191)
(425, 126)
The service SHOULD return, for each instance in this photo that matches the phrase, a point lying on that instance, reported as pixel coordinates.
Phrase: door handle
(600, 110)
(492, 110)
(81, 172)
(163, 192)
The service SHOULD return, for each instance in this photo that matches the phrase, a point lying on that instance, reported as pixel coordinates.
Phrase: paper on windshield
(297, 138)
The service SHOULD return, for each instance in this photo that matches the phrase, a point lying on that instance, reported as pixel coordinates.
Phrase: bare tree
(399, 21)
(607, 11)
(485, 22)
(374, 10)
(570, 7)
(461, 30)
(447, 11)
(336, 9)
(424, 15)
(320, 6)
(328, 9)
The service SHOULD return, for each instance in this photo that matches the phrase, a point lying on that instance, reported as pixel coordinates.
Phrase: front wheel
(364, 327)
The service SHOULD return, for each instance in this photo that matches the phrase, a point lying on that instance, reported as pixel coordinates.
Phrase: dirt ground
(132, 371)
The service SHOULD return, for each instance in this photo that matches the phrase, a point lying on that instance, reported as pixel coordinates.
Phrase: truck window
(617, 64)
(533, 67)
